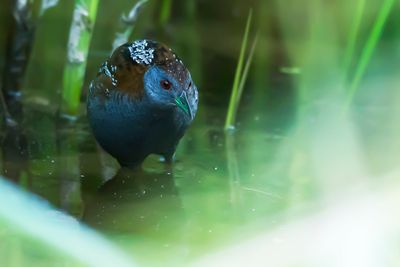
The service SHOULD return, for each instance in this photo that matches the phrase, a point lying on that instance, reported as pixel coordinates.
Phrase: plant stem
(21, 36)
(46, 5)
(234, 100)
(78, 46)
(127, 24)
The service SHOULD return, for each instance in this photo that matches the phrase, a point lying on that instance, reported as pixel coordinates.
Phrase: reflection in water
(136, 201)
(15, 155)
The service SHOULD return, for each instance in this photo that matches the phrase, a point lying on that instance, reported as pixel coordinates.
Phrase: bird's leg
(168, 158)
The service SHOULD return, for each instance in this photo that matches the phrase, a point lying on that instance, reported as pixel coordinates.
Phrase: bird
(141, 102)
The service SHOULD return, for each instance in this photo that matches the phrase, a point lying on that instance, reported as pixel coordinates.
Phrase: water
(298, 183)
(178, 212)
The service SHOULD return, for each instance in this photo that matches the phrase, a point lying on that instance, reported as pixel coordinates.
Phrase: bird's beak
(183, 103)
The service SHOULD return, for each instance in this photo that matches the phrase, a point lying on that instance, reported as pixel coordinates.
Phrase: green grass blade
(353, 35)
(165, 11)
(369, 48)
(232, 109)
(246, 71)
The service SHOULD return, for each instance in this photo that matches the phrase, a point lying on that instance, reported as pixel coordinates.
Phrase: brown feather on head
(127, 65)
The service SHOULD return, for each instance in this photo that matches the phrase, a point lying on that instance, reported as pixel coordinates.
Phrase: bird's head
(150, 70)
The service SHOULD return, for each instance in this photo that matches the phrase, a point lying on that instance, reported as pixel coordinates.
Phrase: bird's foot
(168, 159)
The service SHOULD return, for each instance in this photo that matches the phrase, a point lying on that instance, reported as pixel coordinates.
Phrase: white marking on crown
(141, 53)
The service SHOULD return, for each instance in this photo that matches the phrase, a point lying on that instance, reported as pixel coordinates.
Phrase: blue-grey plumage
(141, 102)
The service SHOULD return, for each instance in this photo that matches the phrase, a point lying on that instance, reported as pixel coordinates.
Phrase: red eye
(165, 84)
